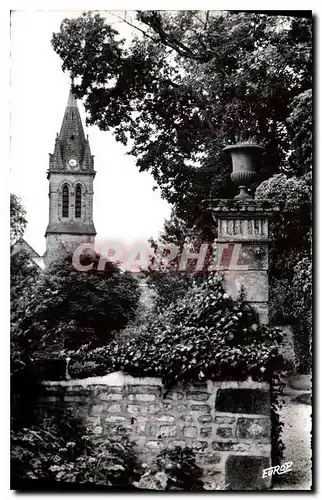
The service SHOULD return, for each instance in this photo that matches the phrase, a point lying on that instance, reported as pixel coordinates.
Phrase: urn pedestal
(243, 240)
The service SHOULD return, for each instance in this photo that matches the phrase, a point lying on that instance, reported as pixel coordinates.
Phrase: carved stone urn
(244, 157)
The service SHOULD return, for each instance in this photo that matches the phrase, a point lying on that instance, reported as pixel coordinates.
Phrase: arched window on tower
(78, 202)
(65, 211)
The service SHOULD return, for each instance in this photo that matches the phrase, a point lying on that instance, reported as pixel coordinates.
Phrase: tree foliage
(187, 85)
(291, 258)
(67, 308)
(18, 221)
(190, 83)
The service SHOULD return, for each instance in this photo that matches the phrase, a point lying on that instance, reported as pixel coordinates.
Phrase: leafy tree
(67, 307)
(187, 85)
(18, 221)
(24, 383)
(23, 276)
(190, 83)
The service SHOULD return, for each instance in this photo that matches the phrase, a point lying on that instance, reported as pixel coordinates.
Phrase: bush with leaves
(301, 296)
(68, 308)
(203, 335)
(290, 258)
(61, 449)
(180, 465)
(175, 470)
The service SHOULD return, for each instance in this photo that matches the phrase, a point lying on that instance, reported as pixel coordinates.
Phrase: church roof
(71, 141)
(21, 244)
(72, 102)
(72, 122)
(71, 227)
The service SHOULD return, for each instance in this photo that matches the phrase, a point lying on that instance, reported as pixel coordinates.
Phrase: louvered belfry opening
(65, 211)
(78, 202)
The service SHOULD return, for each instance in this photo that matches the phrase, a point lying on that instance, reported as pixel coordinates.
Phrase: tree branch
(135, 27)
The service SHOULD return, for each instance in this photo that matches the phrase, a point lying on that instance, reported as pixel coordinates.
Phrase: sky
(126, 208)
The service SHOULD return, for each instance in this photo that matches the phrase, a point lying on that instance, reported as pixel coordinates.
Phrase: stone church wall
(226, 423)
(58, 245)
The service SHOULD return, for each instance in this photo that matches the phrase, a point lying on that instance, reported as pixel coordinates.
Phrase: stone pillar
(242, 244)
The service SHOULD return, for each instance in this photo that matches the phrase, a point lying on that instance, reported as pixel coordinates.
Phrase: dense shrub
(290, 258)
(174, 470)
(301, 295)
(67, 308)
(180, 465)
(203, 335)
(61, 449)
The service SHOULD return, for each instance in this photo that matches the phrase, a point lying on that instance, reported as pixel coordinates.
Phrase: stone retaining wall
(227, 423)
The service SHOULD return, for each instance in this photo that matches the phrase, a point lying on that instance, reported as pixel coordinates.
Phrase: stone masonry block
(133, 408)
(205, 431)
(210, 458)
(114, 407)
(174, 395)
(255, 284)
(225, 432)
(154, 408)
(203, 408)
(142, 397)
(144, 389)
(253, 428)
(198, 396)
(225, 420)
(229, 446)
(205, 419)
(263, 448)
(112, 419)
(190, 432)
(168, 431)
(165, 418)
(111, 397)
(243, 401)
(186, 418)
(245, 473)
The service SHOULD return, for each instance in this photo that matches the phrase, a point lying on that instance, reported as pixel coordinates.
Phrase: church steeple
(72, 149)
(71, 175)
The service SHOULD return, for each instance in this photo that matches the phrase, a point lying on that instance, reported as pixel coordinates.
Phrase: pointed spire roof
(71, 141)
(72, 102)
(72, 122)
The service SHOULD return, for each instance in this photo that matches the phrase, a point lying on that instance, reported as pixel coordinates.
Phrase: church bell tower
(71, 175)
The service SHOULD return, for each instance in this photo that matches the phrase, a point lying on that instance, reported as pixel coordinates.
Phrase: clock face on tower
(72, 162)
